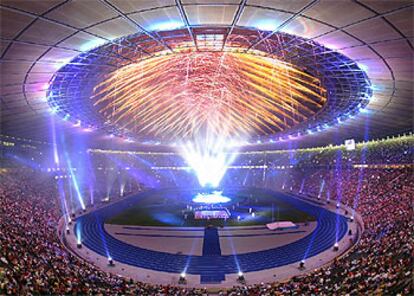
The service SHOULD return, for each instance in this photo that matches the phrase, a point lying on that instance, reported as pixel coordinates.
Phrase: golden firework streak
(229, 94)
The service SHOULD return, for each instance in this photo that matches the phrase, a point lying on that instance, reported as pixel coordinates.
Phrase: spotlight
(302, 264)
(182, 280)
(352, 218)
(241, 278)
(338, 205)
(110, 261)
(363, 67)
(336, 247)
(70, 221)
(265, 25)
(166, 26)
(79, 245)
(67, 230)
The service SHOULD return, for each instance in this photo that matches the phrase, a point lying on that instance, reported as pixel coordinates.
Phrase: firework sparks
(228, 94)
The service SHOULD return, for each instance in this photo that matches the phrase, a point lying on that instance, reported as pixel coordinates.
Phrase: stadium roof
(40, 38)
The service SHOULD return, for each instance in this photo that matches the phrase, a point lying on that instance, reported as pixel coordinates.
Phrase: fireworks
(228, 94)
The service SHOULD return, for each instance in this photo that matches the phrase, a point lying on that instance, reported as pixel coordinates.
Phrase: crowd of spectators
(392, 151)
(382, 262)
(34, 261)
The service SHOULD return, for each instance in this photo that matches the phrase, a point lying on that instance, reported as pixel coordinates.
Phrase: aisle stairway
(211, 249)
(211, 243)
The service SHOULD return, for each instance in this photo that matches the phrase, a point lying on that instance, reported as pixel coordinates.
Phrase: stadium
(206, 147)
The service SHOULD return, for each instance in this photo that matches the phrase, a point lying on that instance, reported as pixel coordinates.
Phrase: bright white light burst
(209, 159)
(211, 198)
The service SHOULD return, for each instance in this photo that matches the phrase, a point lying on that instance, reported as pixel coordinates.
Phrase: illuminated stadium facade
(197, 147)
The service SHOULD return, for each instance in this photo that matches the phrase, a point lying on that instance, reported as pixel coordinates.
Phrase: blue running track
(211, 266)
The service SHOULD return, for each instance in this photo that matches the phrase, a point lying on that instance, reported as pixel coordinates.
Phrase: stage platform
(281, 225)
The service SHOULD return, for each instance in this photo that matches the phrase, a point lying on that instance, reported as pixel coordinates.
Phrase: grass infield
(169, 208)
